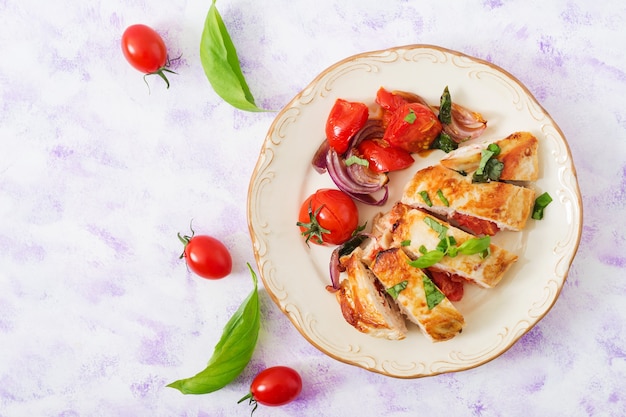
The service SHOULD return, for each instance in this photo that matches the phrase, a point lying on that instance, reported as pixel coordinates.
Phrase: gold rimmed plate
(295, 275)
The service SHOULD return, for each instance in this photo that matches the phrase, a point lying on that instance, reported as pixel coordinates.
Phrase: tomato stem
(252, 401)
(313, 228)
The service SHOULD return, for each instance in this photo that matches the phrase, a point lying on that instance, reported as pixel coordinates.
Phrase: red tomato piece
(382, 157)
(344, 121)
(328, 216)
(388, 100)
(412, 127)
(475, 225)
(206, 256)
(450, 285)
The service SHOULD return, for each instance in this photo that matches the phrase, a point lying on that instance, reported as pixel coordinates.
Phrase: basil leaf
(489, 168)
(445, 107)
(443, 198)
(474, 245)
(436, 226)
(485, 156)
(410, 117)
(444, 142)
(433, 295)
(356, 160)
(405, 242)
(541, 203)
(426, 198)
(221, 64)
(397, 289)
(428, 259)
(233, 351)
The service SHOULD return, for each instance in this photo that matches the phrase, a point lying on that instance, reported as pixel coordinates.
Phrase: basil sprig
(447, 246)
(221, 64)
(489, 168)
(233, 351)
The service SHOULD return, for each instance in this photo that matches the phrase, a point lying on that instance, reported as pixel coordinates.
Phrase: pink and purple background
(97, 176)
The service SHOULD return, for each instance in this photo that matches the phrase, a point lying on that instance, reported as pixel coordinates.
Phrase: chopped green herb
(426, 198)
(445, 107)
(444, 142)
(405, 243)
(356, 160)
(541, 203)
(397, 289)
(423, 249)
(433, 295)
(489, 168)
(428, 259)
(436, 226)
(475, 245)
(443, 198)
(410, 117)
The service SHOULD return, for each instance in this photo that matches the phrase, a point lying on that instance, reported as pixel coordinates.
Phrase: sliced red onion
(465, 124)
(319, 159)
(335, 266)
(355, 179)
(373, 129)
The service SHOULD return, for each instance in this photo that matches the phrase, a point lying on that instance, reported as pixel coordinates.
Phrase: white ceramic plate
(295, 275)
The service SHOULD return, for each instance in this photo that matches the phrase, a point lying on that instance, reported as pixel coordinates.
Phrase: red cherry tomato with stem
(273, 387)
(206, 256)
(346, 118)
(145, 50)
(328, 216)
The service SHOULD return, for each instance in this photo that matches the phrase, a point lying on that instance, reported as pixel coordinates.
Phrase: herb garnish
(433, 295)
(444, 142)
(221, 64)
(541, 203)
(397, 289)
(445, 107)
(356, 160)
(233, 351)
(410, 117)
(443, 198)
(447, 246)
(489, 168)
(426, 198)
(405, 243)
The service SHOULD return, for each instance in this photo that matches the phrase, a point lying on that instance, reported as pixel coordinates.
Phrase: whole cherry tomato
(206, 256)
(274, 386)
(346, 118)
(412, 127)
(328, 216)
(145, 50)
(382, 157)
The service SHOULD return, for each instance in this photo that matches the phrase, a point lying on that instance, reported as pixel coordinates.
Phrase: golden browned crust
(518, 153)
(507, 205)
(410, 232)
(365, 306)
(440, 323)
